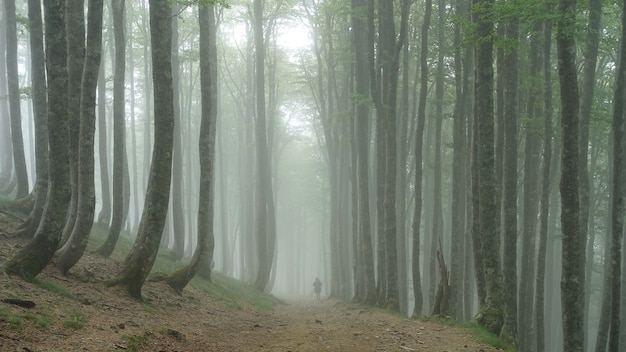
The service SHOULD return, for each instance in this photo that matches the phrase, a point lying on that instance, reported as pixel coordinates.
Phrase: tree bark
(19, 160)
(140, 260)
(35, 256)
(73, 249)
(119, 138)
(38, 83)
(203, 254)
(573, 275)
(491, 313)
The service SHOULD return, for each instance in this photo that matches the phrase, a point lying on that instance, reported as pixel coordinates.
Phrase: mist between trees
(450, 157)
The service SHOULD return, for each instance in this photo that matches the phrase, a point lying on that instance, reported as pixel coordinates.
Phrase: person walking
(317, 285)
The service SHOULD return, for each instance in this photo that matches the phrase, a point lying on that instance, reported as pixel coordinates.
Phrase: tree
(203, 254)
(572, 277)
(75, 27)
(265, 232)
(545, 188)
(491, 313)
(38, 82)
(119, 127)
(618, 207)
(509, 196)
(141, 258)
(419, 133)
(19, 159)
(69, 254)
(31, 259)
(365, 287)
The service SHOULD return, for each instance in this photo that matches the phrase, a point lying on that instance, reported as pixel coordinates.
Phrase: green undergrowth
(51, 287)
(234, 294)
(481, 334)
(41, 318)
(135, 342)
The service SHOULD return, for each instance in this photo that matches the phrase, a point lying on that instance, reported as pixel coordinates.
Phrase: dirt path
(79, 313)
(308, 325)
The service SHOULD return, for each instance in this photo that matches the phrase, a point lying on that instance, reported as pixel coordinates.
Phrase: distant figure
(317, 285)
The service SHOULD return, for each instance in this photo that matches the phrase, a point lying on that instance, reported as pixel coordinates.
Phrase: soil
(88, 316)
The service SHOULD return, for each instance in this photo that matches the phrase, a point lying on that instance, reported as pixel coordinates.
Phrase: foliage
(135, 341)
(233, 293)
(51, 287)
(76, 320)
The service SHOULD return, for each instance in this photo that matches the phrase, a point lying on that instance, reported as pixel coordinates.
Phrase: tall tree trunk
(119, 127)
(617, 206)
(178, 204)
(19, 160)
(265, 200)
(573, 274)
(365, 284)
(103, 150)
(75, 61)
(203, 254)
(35, 256)
(509, 196)
(587, 87)
(141, 258)
(38, 83)
(73, 249)
(491, 313)
(545, 190)
(457, 213)
(530, 201)
(419, 142)
(6, 149)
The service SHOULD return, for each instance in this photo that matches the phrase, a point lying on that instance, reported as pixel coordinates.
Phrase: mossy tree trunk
(419, 145)
(38, 82)
(573, 262)
(365, 287)
(73, 249)
(203, 254)
(75, 28)
(119, 139)
(31, 260)
(617, 206)
(491, 313)
(140, 260)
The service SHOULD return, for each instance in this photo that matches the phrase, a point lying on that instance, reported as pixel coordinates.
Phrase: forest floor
(79, 313)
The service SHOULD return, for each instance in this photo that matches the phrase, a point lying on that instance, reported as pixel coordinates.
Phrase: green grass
(51, 287)
(75, 321)
(135, 342)
(233, 292)
(487, 337)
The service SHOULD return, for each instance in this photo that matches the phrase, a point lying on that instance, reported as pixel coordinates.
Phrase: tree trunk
(545, 190)
(105, 213)
(35, 256)
(141, 258)
(203, 254)
(38, 83)
(75, 61)
(419, 133)
(573, 275)
(365, 285)
(617, 206)
(75, 246)
(491, 313)
(178, 187)
(509, 196)
(457, 238)
(6, 149)
(19, 160)
(119, 127)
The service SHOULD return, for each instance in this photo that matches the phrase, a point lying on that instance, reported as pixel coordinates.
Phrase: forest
(462, 158)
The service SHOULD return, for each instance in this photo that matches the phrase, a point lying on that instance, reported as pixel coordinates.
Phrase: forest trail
(79, 313)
